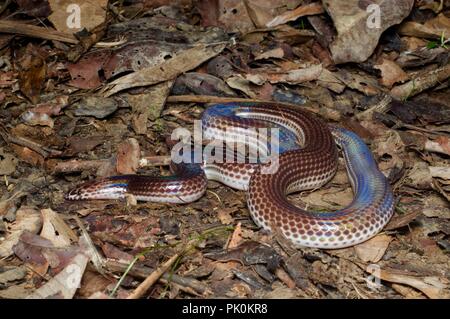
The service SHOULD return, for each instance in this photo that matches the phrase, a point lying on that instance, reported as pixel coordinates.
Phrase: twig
(42, 150)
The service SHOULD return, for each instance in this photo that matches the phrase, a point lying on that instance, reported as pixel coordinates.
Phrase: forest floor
(98, 88)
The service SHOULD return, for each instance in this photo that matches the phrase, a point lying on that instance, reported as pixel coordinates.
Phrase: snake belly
(306, 158)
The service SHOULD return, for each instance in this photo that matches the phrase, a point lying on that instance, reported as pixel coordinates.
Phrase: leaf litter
(106, 100)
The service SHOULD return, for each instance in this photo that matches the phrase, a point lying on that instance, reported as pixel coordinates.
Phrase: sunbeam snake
(308, 158)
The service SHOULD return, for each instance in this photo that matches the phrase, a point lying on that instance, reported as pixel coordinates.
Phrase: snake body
(307, 158)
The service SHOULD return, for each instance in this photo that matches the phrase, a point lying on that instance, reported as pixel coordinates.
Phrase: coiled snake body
(307, 158)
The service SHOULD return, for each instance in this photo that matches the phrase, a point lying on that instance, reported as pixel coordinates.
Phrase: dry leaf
(359, 26)
(234, 17)
(441, 24)
(432, 287)
(262, 11)
(8, 163)
(27, 219)
(277, 53)
(32, 73)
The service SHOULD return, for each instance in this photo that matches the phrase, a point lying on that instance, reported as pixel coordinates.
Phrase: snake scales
(307, 159)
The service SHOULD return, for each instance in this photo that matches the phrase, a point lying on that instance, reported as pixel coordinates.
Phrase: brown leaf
(66, 282)
(32, 74)
(236, 237)
(441, 24)
(167, 70)
(8, 163)
(209, 11)
(431, 29)
(85, 73)
(27, 219)
(40, 251)
(113, 252)
(77, 144)
(41, 113)
(56, 230)
(297, 76)
(262, 11)
(399, 221)
(301, 11)
(359, 26)
(224, 215)
(277, 53)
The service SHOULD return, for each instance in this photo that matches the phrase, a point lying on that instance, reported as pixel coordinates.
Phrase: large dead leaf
(73, 15)
(27, 219)
(128, 155)
(360, 23)
(167, 70)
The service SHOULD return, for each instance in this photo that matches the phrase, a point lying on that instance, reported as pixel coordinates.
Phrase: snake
(306, 156)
